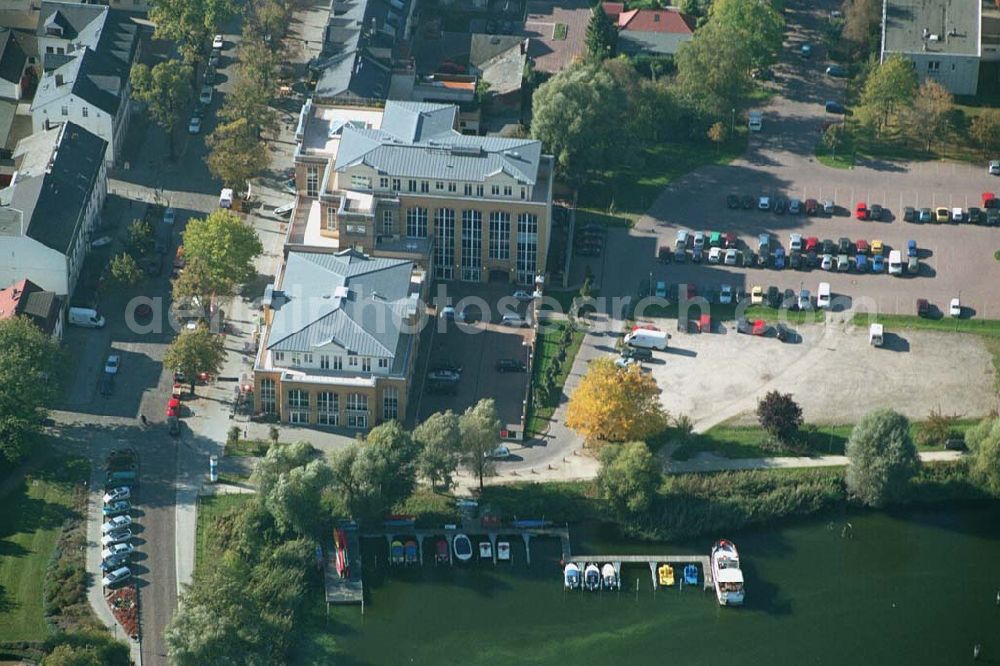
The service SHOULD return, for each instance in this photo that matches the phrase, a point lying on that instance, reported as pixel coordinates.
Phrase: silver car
(794, 206)
(795, 242)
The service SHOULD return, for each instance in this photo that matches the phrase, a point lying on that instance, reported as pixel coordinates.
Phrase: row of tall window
(356, 409)
(330, 361)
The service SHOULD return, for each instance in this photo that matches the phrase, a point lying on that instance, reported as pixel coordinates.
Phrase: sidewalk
(707, 462)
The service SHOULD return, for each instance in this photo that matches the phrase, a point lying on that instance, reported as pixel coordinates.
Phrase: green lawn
(546, 349)
(842, 159)
(984, 327)
(247, 447)
(211, 507)
(31, 520)
(622, 195)
(732, 441)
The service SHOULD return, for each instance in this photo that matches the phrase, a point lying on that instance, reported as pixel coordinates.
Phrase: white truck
(756, 121)
(226, 198)
(647, 338)
(86, 318)
(895, 262)
(875, 335)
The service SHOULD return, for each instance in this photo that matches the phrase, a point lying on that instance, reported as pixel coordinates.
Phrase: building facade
(339, 340)
(51, 209)
(405, 183)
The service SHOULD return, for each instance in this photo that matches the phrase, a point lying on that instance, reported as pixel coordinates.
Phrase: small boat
(592, 578)
(726, 573)
(485, 550)
(340, 541)
(503, 551)
(691, 574)
(571, 576)
(441, 551)
(531, 523)
(463, 548)
(610, 577)
(411, 552)
(396, 552)
(666, 575)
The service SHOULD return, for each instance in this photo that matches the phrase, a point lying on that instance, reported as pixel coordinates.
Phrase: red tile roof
(11, 298)
(656, 20)
(613, 9)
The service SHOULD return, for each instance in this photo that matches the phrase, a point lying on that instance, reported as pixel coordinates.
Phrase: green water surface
(918, 587)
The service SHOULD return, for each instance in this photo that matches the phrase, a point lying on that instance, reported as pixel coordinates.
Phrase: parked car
(107, 384)
(942, 215)
(732, 201)
(861, 263)
(523, 296)
(877, 247)
(823, 295)
(779, 259)
(861, 245)
(121, 506)
(827, 246)
(117, 576)
(878, 263)
(715, 239)
(780, 205)
(115, 494)
(756, 295)
(955, 308)
(835, 107)
(500, 453)
(836, 71)
(194, 125)
(805, 300)
(116, 536)
(876, 212)
(698, 241)
(794, 206)
(510, 365)
(715, 255)
(514, 320)
(844, 245)
(218, 42)
(795, 242)
(861, 210)
(826, 263)
(730, 240)
(811, 206)
(116, 523)
(925, 215)
(205, 96)
(637, 353)
(911, 248)
(811, 244)
(829, 208)
(975, 215)
(909, 214)
(681, 239)
(912, 265)
(732, 257)
(764, 203)
(763, 243)
(795, 261)
(442, 375)
(117, 550)
(112, 364)
(169, 215)
(284, 210)
(726, 294)
(994, 168)
(746, 202)
(923, 307)
(773, 297)
(843, 263)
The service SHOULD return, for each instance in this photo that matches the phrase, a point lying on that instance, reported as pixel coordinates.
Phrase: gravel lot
(834, 374)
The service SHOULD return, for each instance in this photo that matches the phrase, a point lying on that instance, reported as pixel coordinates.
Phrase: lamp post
(732, 124)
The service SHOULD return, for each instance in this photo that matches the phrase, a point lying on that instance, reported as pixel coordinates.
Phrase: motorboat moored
(691, 574)
(441, 552)
(726, 573)
(462, 547)
(340, 541)
(485, 550)
(592, 578)
(411, 552)
(609, 577)
(571, 576)
(396, 552)
(665, 575)
(503, 551)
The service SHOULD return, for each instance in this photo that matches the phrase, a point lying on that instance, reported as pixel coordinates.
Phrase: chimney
(59, 79)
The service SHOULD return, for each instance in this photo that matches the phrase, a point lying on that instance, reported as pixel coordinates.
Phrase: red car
(811, 244)
(862, 246)
(861, 211)
(729, 238)
(174, 408)
(811, 206)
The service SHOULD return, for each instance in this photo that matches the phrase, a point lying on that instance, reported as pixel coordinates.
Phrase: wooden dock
(350, 590)
(652, 560)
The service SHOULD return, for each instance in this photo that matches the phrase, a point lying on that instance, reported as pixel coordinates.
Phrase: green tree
(440, 442)
(189, 24)
(280, 459)
(780, 416)
(861, 20)
(125, 270)
(256, 79)
(480, 429)
(83, 648)
(140, 235)
(717, 134)
(29, 380)
(370, 477)
(197, 285)
(195, 352)
(881, 457)
(165, 90)
(985, 129)
(929, 119)
(236, 155)
(890, 88)
(833, 138)
(293, 498)
(577, 115)
(225, 244)
(628, 477)
(713, 71)
(270, 19)
(602, 36)
(757, 26)
(984, 443)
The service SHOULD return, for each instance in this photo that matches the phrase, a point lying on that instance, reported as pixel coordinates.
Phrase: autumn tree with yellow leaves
(614, 404)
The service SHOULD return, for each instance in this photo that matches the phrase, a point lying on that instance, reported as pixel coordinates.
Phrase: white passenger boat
(610, 577)
(571, 576)
(592, 578)
(726, 573)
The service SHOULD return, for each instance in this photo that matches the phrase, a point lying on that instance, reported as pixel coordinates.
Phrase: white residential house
(87, 53)
(50, 210)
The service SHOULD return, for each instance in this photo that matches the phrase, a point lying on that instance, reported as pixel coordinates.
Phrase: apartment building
(339, 340)
(403, 182)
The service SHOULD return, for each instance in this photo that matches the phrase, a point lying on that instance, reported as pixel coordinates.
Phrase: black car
(828, 246)
(732, 201)
(448, 388)
(789, 300)
(795, 261)
(637, 353)
(780, 205)
(876, 212)
(811, 261)
(976, 215)
(107, 384)
(993, 217)
(773, 297)
(510, 365)
(909, 214)
(747, 201)
(845, 246)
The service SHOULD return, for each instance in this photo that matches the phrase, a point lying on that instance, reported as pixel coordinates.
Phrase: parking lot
(473, 348)
(832, 371)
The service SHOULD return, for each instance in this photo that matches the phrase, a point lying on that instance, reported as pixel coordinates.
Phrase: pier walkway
(652, 560)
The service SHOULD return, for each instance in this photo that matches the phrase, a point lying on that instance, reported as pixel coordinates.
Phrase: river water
(914, 587)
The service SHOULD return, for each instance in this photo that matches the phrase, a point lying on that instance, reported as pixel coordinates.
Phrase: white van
(226, 198)
(647, 338)
(823, 295)
(875, 335)
(86, 318)
(895, 262)
(756, 122)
